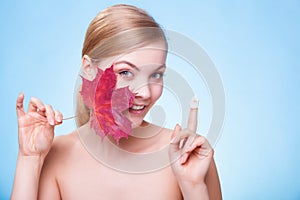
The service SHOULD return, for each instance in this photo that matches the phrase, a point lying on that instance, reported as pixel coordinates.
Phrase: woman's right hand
(36, 127)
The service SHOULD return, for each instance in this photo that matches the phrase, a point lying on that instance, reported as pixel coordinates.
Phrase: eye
(157, 75)
(126, 74)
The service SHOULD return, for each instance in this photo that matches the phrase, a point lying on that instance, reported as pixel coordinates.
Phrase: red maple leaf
(107, 104)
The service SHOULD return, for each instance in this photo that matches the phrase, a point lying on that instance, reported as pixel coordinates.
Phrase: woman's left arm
(192, 161)
(213, 182)
(193, 166)
(209, 189)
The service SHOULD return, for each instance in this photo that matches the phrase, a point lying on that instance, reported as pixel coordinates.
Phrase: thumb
(174, 147)
(175, 132)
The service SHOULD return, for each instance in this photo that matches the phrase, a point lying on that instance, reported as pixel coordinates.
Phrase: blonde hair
(116, 30)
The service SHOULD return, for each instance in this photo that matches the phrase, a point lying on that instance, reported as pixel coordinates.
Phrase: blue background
(254, 44)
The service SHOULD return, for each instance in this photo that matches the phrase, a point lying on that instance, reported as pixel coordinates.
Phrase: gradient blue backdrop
(254, 44)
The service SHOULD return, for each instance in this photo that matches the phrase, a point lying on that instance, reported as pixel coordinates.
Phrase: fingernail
(174, 135)
(175, 126)
(178, 127)
(182, 159)
(173, 140)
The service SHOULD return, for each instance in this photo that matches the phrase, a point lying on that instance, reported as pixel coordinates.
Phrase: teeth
(135, 107)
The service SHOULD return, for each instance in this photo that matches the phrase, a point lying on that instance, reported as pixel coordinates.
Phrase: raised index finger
(193, 116)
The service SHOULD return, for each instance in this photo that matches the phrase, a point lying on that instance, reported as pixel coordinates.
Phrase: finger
(181, 135)
(174, 147)
(186, 148)
(200, 146)
(193, 115)
(19, 105)
(58, 117)
(188, 142)
(36, 105)
(50, 115)
(198, 142)
(177, 128)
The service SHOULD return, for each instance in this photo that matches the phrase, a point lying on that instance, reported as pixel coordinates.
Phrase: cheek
(156, 91)
(155, 88)
(121, 82)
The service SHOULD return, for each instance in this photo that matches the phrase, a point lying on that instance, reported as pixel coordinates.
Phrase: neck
(144, 138)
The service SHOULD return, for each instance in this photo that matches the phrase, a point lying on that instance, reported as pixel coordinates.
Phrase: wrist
(191, 190)
(191, 184)
(27, 175)
(30, 154)
(191, 181)
(37, 160)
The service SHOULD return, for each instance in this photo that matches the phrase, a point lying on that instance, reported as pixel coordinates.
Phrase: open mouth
(137, 108)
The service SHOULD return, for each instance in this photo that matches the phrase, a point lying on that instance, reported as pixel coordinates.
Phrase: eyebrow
(134, 66)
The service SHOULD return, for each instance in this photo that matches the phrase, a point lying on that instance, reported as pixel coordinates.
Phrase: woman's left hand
(190, 154)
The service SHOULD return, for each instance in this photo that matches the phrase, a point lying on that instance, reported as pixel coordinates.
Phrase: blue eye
(158, 75)
(126, 73)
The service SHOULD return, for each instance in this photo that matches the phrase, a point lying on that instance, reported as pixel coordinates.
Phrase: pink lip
(136, 111)
(137, 104)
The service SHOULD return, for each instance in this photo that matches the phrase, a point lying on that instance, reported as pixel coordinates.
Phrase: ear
(89, 71)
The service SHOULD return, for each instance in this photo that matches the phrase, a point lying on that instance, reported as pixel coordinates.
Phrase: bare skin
(64, 169)
(68, 171)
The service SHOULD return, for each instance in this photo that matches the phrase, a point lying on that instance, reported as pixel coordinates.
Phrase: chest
(92, 180)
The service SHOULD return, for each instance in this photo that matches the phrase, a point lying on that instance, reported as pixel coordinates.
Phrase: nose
(143, 91)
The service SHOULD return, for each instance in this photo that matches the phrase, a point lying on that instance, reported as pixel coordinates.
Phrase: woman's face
(142, 70)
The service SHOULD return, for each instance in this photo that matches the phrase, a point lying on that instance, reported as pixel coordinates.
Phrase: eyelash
(126, 73)
(161, 75)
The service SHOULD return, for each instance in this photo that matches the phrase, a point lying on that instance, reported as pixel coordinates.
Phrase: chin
(136, 122)
(136, 118)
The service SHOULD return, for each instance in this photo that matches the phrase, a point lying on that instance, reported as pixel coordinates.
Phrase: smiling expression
(142, 70)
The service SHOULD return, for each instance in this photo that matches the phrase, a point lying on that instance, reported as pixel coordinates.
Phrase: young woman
(68, 166)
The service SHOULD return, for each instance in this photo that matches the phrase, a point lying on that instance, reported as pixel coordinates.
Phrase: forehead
(154, 54)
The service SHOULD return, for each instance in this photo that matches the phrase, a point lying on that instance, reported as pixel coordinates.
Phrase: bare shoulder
(64, 142)
(165, 131)
(62, 148)
(58, 162)
(164, 134)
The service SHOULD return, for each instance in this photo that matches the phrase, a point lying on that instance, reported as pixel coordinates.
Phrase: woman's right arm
(36, 133)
